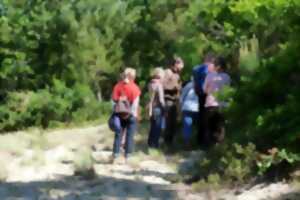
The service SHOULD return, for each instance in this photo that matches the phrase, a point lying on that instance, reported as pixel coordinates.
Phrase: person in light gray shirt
(190, 110)
(156, 107)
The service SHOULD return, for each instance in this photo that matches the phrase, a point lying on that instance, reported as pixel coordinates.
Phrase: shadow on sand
(72, 187)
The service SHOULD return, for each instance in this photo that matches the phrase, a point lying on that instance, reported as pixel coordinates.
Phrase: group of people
(197, 100)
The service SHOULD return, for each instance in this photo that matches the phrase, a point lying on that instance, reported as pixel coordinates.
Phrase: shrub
(51, 107)
(237, 164)
(83, 163)
(234, 163)
(274, 158)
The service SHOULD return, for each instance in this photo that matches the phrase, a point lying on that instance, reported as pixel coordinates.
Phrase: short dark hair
(221, 62)
(176, 60)
(210, 57)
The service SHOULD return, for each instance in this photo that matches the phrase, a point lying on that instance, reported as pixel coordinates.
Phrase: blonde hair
(158, 72)
(129, 73)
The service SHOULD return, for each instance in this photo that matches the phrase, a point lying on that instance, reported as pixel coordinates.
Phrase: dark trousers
(201, 125)
(214, 125)
(155, 127)
(171, 122)
(130, 125)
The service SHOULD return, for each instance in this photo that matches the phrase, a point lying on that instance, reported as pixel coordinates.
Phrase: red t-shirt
(130, 90)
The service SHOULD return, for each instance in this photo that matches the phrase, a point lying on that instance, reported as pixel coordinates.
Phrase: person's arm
(206, 84)
(197, 87)
(184, 92)
(135, 106)
(115, 93)
(161, 95)
(179, 84)
(151, 94)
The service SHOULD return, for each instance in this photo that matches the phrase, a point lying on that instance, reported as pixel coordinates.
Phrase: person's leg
(131, 129)
(151, 132)
(123, 139)
(158, 115)
(118, 133)
(167, 124)
(213, 121)
(187, 126)
(171, 122)
(219, 127)
(201, 121)
(209, 125)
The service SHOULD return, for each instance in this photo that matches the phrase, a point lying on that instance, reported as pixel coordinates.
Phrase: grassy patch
(156, 154)
(36, 159)
(3, 172)
(13, 143)
(84, 164)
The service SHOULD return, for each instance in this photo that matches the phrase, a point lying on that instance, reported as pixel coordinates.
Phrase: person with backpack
(172, 87)
(190, 110)
(156, 107)
(126, 101)
(214, 83)
(199, 74)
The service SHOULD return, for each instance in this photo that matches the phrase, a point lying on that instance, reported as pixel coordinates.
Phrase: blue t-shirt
(199, 75)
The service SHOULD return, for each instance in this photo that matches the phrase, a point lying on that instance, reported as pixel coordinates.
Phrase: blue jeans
(155, 127)
(189, 118)
(130, 125)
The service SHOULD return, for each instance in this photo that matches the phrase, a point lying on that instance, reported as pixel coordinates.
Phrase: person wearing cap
(126, 90)
(156, 107)
(172, 87)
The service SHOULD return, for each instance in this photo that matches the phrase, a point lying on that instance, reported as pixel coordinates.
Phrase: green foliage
(272, 160)
(237, 164)
(56, 56)
(248, 56)
(232, 163)
(49, 106)
(224, 165)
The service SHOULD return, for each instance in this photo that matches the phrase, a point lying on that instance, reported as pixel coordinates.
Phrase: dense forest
(60, 58)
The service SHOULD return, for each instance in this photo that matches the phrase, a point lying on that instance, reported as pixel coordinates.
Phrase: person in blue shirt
(199, 74)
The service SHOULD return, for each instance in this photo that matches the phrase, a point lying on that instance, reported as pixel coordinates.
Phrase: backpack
(123, 107)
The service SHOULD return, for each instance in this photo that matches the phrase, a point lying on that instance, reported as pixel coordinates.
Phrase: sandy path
(48, 173)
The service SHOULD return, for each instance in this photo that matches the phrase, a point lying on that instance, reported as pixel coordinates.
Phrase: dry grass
(3, 172)
(13, 143)
(84, 163)
(36, 159)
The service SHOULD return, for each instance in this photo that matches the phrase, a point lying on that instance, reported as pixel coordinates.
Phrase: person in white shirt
(214, 120)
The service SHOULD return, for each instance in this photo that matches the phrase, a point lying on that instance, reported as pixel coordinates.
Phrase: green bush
(238, 164)
(233, 163)
(51, 106)
(275, 158)
(55, 56)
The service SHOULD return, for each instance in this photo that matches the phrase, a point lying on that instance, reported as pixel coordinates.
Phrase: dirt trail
(44, 170)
